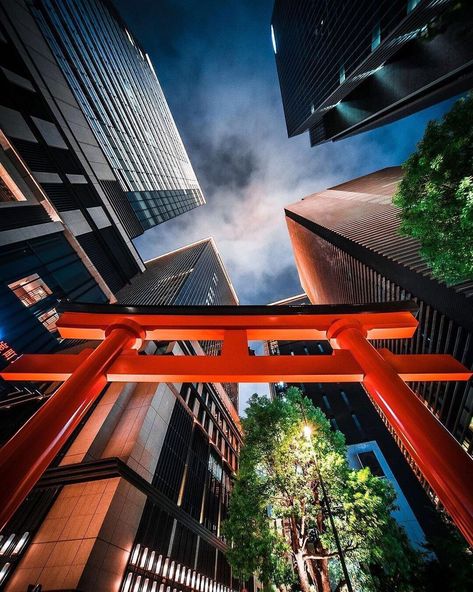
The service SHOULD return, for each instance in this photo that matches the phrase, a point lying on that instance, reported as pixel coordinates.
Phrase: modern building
(348, 67)
(192, 275)
(114, 82)
(67, 214)
(348, 250)
(136, 499)
(47, 129)
(41, 262)
(349, 410)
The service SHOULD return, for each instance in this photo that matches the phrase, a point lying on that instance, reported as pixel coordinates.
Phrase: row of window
(159, 573)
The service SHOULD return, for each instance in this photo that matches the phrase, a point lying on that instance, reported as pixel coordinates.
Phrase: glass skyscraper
(193, 275)
(115, 84)
(345, 67)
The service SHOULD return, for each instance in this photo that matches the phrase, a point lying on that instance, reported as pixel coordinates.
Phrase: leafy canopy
(277, 524)
(435, 196)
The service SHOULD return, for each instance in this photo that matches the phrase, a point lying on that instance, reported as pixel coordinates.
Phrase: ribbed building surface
(345, 66)
(348, 250)
(193, 275)
(115, 84)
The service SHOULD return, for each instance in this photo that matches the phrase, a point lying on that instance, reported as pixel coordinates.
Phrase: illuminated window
(30, 289)
(342, 74)
(376, 37)
(49, 319)
(273, 39)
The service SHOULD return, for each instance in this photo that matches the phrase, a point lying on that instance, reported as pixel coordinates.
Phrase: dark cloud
(228, 163)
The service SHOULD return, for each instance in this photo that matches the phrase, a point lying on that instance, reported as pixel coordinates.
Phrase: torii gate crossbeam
(443, 462)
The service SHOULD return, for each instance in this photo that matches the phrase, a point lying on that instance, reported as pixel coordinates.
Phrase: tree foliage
(435, 196)
(278, 525)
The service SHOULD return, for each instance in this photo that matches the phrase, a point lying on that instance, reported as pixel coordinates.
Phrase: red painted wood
(25, 457)
(442, 461)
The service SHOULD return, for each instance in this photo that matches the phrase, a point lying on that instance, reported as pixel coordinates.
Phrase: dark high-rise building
(114, 83)
(41, 262)
(346, 67)
(192, 275)
(348, 249)
(45, 127)
(369, 442)
(90, 157)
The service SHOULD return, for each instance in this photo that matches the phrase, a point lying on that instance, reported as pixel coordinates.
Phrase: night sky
(215, 62)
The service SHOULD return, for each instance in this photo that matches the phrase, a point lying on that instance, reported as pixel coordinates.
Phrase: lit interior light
(159, 563)
(165, 568)
(137, 584)
(151, 561)
(143, 557)
(21, 543)
(134, 557)
(273, 39)
(6, 544)
(4, 571)
(126, 587)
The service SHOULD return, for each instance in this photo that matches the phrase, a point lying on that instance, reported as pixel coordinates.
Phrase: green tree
(278, 526)
(435, 196)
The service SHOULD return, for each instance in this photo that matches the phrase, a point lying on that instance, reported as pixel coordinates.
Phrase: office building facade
(192, 275)
(114, 83)
(347, 67)
(348, 249)
(369, 443)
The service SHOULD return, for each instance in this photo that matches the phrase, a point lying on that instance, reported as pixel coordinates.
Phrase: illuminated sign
(6, 351)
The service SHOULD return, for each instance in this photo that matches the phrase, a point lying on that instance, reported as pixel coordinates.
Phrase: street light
(307, 431)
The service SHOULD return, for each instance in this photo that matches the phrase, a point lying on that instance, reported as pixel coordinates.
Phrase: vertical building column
(27, 455)
(445, 465)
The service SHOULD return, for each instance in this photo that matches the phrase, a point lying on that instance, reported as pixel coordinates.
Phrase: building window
(376, 37)
(320, 347)
(326, 402)
(345, 398)
(49, 319)
(357, 423)
(341, 74)
(273, 39)
(369, 459)
(334, 425)
(411, 4)
(30, 289)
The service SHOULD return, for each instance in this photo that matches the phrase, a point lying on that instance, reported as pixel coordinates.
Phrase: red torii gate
(122, 330)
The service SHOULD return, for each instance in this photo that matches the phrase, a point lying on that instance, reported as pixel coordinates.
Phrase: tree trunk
(322, 569)
(301, 571)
